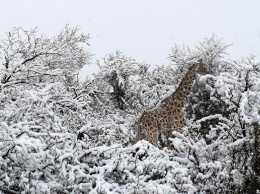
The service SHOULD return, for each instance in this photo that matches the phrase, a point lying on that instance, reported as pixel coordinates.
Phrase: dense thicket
(62, 135)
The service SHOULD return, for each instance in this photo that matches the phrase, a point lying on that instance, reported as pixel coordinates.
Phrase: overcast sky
(143, 29)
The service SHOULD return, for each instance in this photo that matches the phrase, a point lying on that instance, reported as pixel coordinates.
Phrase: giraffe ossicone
(168, 117)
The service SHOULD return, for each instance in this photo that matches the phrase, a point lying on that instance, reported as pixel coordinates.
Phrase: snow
(79, 138)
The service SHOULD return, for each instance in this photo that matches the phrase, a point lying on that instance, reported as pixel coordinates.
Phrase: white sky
(143, 29)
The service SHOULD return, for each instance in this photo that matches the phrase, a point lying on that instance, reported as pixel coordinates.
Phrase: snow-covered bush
(240, 89)
(38, 113)
(29, 58)
(117, 72)
(60, 135)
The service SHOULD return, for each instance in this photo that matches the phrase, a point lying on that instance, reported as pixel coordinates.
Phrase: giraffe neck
(183, 90)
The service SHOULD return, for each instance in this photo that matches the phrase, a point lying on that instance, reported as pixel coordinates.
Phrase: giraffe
(168, 116)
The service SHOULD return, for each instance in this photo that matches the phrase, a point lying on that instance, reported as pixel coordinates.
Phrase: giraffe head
(201, 68)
